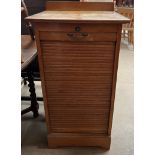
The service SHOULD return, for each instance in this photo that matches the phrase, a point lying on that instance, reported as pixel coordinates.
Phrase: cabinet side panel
(115, 67)
(41, 68)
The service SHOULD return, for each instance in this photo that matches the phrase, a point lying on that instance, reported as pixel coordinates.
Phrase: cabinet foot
(78, 140)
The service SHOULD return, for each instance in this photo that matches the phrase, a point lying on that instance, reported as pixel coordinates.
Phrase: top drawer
(72, 27)
(77, 36)
(78, 32)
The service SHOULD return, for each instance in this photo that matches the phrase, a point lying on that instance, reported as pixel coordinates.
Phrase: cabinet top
(79, 16)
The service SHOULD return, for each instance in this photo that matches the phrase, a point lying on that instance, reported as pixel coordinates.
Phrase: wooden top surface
(81, 16)
(28, 50)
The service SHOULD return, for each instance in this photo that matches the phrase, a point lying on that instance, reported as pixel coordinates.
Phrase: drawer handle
(84, 34)
(70, 34)
(75, 35)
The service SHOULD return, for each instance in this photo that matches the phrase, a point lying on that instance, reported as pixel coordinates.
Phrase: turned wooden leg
(25, 82)
(34, 104)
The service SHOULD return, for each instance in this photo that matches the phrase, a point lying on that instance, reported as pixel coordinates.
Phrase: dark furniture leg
(25, 82)
(34, 104)
(28, 98)
(31, 32)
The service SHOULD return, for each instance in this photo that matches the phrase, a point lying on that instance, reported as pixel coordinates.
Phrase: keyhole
(77, 28)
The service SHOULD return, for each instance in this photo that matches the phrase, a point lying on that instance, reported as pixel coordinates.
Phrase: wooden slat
(78, 85)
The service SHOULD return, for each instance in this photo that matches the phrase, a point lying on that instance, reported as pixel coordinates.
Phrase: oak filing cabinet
(78, 50)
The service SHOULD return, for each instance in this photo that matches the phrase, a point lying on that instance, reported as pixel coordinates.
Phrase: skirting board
(67, 139)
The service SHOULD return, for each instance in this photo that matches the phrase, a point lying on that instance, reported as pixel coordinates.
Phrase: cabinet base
(67, 139)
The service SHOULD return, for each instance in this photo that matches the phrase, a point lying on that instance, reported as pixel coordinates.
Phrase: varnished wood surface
(97, 1)
(78, 78)
(28, 50)
(79, 6)
(79, 16)
(78, 74)
(70, 27)
(77, 36)
(115, 68)
(73, 139)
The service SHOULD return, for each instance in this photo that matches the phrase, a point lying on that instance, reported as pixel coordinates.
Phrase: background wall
(129, 3)
(34, 6)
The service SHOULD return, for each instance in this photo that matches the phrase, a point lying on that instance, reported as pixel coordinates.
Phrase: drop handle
(70, 34)
(84, 34)
(77, 35)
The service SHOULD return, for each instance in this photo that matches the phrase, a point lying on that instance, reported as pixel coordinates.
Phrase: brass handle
(84, 34)
(70, 34)
(76, 35)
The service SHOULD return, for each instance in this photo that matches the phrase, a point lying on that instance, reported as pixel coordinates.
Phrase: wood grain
(70, 80)
(75, 36)
(28, 51)
(78, 6)
(79, 16)
(64, 27)
(70, 139)
(78, 73)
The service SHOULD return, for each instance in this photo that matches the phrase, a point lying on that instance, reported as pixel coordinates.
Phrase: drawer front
(82, 27)
(77, 36)
(78, 32)
(78, 82)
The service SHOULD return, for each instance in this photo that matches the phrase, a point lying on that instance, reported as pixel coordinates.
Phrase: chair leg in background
(34, 103)
(25, 82)
(31, 32)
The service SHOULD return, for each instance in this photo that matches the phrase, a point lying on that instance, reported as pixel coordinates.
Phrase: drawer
(81, 27)
(77, 36)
